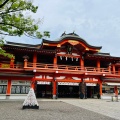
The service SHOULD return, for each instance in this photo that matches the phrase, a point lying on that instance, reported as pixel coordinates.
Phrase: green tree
(14, 22)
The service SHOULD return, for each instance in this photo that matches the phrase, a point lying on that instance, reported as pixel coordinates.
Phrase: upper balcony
(7, 66)
(62, 69)
(54, 68)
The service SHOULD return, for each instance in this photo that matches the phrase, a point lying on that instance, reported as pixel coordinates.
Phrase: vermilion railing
(7, 65)
(67, 67)
(58, 67)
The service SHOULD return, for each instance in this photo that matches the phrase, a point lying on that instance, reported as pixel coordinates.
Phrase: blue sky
(96, 21)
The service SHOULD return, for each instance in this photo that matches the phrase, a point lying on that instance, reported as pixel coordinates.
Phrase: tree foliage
(3, 52)
(14, 21)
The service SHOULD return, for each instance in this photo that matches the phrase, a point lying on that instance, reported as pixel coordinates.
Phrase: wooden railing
(52, 66)
(7, 65)
(67, 68)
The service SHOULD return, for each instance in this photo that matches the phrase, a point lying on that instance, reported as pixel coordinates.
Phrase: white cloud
(96, 21)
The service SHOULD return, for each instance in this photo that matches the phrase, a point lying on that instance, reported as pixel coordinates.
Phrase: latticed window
(3, 86)
(20, 87)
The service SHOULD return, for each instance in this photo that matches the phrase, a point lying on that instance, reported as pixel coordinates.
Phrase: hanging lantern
(72, 59)
(61, 57)
(66, 58)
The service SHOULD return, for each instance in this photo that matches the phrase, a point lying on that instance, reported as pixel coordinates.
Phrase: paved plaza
(61, 109)
(103, 107)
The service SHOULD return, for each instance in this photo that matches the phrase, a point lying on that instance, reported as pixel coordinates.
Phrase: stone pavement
(104, 107)
(60, 109)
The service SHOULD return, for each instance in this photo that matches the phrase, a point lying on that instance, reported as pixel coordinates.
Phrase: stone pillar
(8, 92)
(54, 89)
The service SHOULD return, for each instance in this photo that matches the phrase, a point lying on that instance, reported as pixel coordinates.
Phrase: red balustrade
(54, 67)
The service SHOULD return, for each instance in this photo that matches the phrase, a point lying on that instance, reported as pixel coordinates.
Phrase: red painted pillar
(113, 68)
(8, 92)
(98, 65)
(119, 71)
(54, 89)
(109, 68)
(116, 90)
(34, 60)
(33, 83)
(82, 63)
(12, 63)
(55, 61)
(25, 63)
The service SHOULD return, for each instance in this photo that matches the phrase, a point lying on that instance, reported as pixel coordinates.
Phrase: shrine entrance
(68, 90)
(92, 91)
(44, 90)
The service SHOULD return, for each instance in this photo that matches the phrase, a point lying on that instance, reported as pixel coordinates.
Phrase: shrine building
(68, 67)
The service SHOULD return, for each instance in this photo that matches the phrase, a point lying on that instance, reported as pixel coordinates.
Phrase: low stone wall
(13, 96)
(3, 96)
(109, 97)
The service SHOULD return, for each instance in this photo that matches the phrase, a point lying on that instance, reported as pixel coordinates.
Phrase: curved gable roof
(70, 36)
